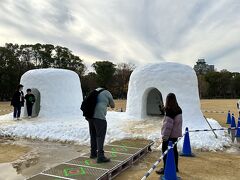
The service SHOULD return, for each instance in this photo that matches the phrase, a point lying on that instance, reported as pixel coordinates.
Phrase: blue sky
(136, 31)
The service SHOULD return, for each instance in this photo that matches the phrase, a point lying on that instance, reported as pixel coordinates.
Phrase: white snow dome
(57, 91)
(150, 84)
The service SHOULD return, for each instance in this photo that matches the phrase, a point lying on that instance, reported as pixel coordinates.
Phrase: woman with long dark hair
(172, 127)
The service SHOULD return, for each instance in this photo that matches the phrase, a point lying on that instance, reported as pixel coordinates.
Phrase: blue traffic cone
(170, 168)
(233, 123)
(238, 129)
(229, 119)
(186, 150)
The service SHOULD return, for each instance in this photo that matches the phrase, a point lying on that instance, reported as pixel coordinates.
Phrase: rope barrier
(165, 153)
(220, 129)
(160, 159)
(218, 112)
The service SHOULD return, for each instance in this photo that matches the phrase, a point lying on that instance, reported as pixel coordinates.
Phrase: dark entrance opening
(36, 105)
(154, 103)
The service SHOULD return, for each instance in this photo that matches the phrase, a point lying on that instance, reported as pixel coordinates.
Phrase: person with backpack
(172, 127)
(17, 102)
(30, 100)
(94, 109)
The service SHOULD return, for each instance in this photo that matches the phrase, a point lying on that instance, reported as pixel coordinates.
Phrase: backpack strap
(101, 90)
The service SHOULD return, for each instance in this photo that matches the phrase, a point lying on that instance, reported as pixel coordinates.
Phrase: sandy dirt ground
(206, 165)
(5, 108)
(219, 105)
(11, 152)
(39, 156)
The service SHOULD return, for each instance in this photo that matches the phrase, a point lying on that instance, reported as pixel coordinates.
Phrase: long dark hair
(171, 105)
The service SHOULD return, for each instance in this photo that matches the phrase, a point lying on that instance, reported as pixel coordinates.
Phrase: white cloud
(140, 31)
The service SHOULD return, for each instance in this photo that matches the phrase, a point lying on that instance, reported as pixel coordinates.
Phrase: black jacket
(18, 99)
(30, 99)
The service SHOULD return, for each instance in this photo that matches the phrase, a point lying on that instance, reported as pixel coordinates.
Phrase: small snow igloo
(57, 91)
(150, 84)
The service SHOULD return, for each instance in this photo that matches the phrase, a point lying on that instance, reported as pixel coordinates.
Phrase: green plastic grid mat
(121, 149)
(85, 161)
(85, 168)
(76, 172)
(45, 177)
(134, 143)
(115, 156)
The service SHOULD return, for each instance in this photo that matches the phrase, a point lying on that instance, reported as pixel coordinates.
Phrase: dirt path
(11, 152)
(22, 158)
(5, 108)
(205, 166)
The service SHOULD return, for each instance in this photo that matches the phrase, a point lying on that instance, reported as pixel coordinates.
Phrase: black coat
(30, 99)
(16, 101)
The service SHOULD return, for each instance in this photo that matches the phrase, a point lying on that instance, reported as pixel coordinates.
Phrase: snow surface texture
(60, 91)
(60, 118)
(120, 126)
(166, 77)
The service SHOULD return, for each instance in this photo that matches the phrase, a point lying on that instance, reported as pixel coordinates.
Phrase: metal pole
(211, 127)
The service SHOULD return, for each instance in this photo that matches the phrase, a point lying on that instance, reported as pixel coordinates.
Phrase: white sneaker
(14, 119)
(19, 119)
(29, 117)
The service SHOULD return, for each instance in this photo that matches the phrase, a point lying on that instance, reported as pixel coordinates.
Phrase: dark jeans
(97, 129)
(17, 111)
(29, 109)
(165, 147)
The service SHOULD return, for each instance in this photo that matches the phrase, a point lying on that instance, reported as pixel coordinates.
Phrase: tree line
(222, 84)
(16, 59)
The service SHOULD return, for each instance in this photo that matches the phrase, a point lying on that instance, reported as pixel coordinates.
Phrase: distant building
(202, 67)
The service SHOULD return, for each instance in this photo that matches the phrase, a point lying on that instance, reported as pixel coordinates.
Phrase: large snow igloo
(150, 84)
(57, 91)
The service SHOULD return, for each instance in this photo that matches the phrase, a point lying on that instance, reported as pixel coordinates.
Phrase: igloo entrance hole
(154, 103)
(36, 106)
